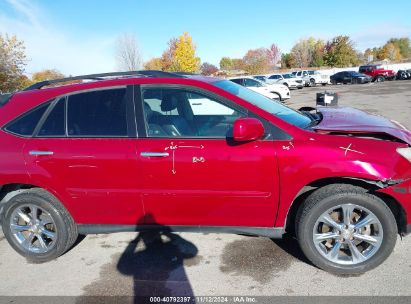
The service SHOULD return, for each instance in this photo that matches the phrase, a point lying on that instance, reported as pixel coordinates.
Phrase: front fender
(320, 157)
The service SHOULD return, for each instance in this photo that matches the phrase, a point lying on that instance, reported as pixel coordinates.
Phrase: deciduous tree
(403, 44)
(226, 63)
(185, 55)
(168, 62)
(46, 75)
(208, 69)
(154, 64)
(302, 53)
(12, 63)
(389, 51)
(340, 52)
(274, 55)
(128, 55)
(257, 61)
(288, 61)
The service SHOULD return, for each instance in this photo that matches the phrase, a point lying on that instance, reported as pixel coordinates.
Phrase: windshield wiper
(314, 117)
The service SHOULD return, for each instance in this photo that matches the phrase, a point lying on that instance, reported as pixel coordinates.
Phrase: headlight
(405, 152)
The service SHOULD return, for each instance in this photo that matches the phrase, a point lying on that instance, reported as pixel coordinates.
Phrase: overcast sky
(78, 36)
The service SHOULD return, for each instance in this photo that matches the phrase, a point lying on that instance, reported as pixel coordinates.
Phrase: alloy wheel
(33, 228)
(347, 234)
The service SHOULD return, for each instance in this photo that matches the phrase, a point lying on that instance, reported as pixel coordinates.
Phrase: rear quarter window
(25, 124)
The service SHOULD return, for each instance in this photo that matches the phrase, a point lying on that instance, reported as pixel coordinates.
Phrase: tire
(278, 96)
(312, 82)
(323, 84)
(54, 226)
(379, 78)
(346, 261)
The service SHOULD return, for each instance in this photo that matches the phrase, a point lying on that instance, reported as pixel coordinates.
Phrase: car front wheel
(38, 226)
(345, 230)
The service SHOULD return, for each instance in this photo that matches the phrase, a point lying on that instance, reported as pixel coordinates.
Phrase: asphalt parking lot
(214, 264)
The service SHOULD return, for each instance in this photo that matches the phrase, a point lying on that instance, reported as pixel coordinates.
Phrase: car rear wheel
(345, 230)
(37, 225)
(379, 79)
(312, 82)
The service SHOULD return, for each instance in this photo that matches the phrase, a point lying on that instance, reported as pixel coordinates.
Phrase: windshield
(271, 106)
(288, 76)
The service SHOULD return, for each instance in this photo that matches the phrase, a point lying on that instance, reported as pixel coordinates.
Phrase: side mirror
(247, 129)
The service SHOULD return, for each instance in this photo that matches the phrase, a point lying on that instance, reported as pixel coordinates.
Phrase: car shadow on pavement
(152, 264)
(155, 260)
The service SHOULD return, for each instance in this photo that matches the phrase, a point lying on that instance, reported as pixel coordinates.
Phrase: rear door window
(54, 125)
(99, 113)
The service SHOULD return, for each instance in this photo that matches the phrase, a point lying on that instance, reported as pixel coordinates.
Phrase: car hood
(350, 120)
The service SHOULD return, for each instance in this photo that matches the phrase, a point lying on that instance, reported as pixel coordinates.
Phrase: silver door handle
(40, 153)
(154, 154)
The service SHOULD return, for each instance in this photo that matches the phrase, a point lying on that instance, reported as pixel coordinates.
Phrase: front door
(193, 173)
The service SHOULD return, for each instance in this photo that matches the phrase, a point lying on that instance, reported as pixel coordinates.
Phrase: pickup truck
(377, 72)
(312, 78)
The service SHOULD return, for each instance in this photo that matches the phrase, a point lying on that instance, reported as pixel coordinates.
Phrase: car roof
(118, 75)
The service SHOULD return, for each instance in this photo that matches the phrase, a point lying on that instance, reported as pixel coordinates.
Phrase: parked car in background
(289, 80)
(303, 76)
(130, 153)
(299, 80)
(312, 78)
(351, 77)
(276, 91)
(377, 72)
(403, 74)
(262, 78)
(316, 77)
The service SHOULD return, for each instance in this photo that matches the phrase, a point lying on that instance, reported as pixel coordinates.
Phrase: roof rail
(146, 73)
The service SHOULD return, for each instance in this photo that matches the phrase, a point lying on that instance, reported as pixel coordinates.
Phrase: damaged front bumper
(401, 192)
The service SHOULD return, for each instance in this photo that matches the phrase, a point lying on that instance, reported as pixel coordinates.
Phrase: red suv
(377, 72)
(152, 150)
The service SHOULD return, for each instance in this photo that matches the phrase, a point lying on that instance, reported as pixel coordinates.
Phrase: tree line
(180, 55)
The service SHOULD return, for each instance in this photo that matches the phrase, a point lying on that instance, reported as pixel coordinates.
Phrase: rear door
(193, 173)
(83, 150)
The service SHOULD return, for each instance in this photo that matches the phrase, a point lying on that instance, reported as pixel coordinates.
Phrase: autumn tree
(257, 61)
(208, 69)
(185, 55)
(340, 52)
(168, 62)
(46, 75)
(238, 63)
(12, 64)
(226, 63)
(302, 53)
(274, 55)
(317, 59)
(154, 64)
(287, 61)
(128, 55)
(403, 44)
(389, 51)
